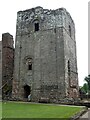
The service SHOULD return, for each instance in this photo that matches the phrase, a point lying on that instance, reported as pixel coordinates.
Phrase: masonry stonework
(45, 56)
(7, 65)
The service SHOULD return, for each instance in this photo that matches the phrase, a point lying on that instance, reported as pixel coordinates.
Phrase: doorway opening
(27, 91)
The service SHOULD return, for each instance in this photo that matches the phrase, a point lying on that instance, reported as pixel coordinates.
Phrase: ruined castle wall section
(7, 63)
(7, 57)
(70, 56)
(68, 24)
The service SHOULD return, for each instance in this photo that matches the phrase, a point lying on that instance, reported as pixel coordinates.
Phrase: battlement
(46, 19)
(39, 10)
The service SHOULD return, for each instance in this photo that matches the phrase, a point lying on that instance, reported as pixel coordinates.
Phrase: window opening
(68, 67)
(36, 26)
(30, 67)
(69, 72)
(70, 30)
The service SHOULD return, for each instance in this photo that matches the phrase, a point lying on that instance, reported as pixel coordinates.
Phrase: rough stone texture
(48, 50)
(7, 64)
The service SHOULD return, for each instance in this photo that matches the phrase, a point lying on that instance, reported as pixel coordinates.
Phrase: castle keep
(45, 56)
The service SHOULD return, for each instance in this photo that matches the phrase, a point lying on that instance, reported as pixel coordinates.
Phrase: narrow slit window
(69, 73)
(69, 68)
(70, 30)
(30, 67)
(36, 26)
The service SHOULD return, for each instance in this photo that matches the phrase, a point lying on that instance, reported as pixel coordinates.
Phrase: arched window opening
(70, 30)
(30, 66)
(36, 26)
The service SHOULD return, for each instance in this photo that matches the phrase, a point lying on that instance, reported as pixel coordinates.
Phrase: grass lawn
(31, 110)
(0, 110)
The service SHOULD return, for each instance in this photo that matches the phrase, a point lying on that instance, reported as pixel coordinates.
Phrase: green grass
(29, 110)
(0, 110)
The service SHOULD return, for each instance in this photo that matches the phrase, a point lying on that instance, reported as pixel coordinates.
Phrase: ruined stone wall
(43, 47)
(7, 63)
(71, 78)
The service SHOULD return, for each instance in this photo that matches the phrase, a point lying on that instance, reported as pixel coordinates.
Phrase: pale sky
(78, 10)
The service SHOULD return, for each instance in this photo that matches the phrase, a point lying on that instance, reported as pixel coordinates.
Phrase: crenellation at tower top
(48, 19)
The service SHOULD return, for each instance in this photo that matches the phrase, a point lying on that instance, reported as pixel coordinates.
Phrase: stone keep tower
(45, 55)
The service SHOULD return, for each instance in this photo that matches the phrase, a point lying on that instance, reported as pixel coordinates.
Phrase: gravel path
(86, 116)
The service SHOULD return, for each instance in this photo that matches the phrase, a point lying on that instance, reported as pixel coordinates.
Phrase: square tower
(45, 55)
